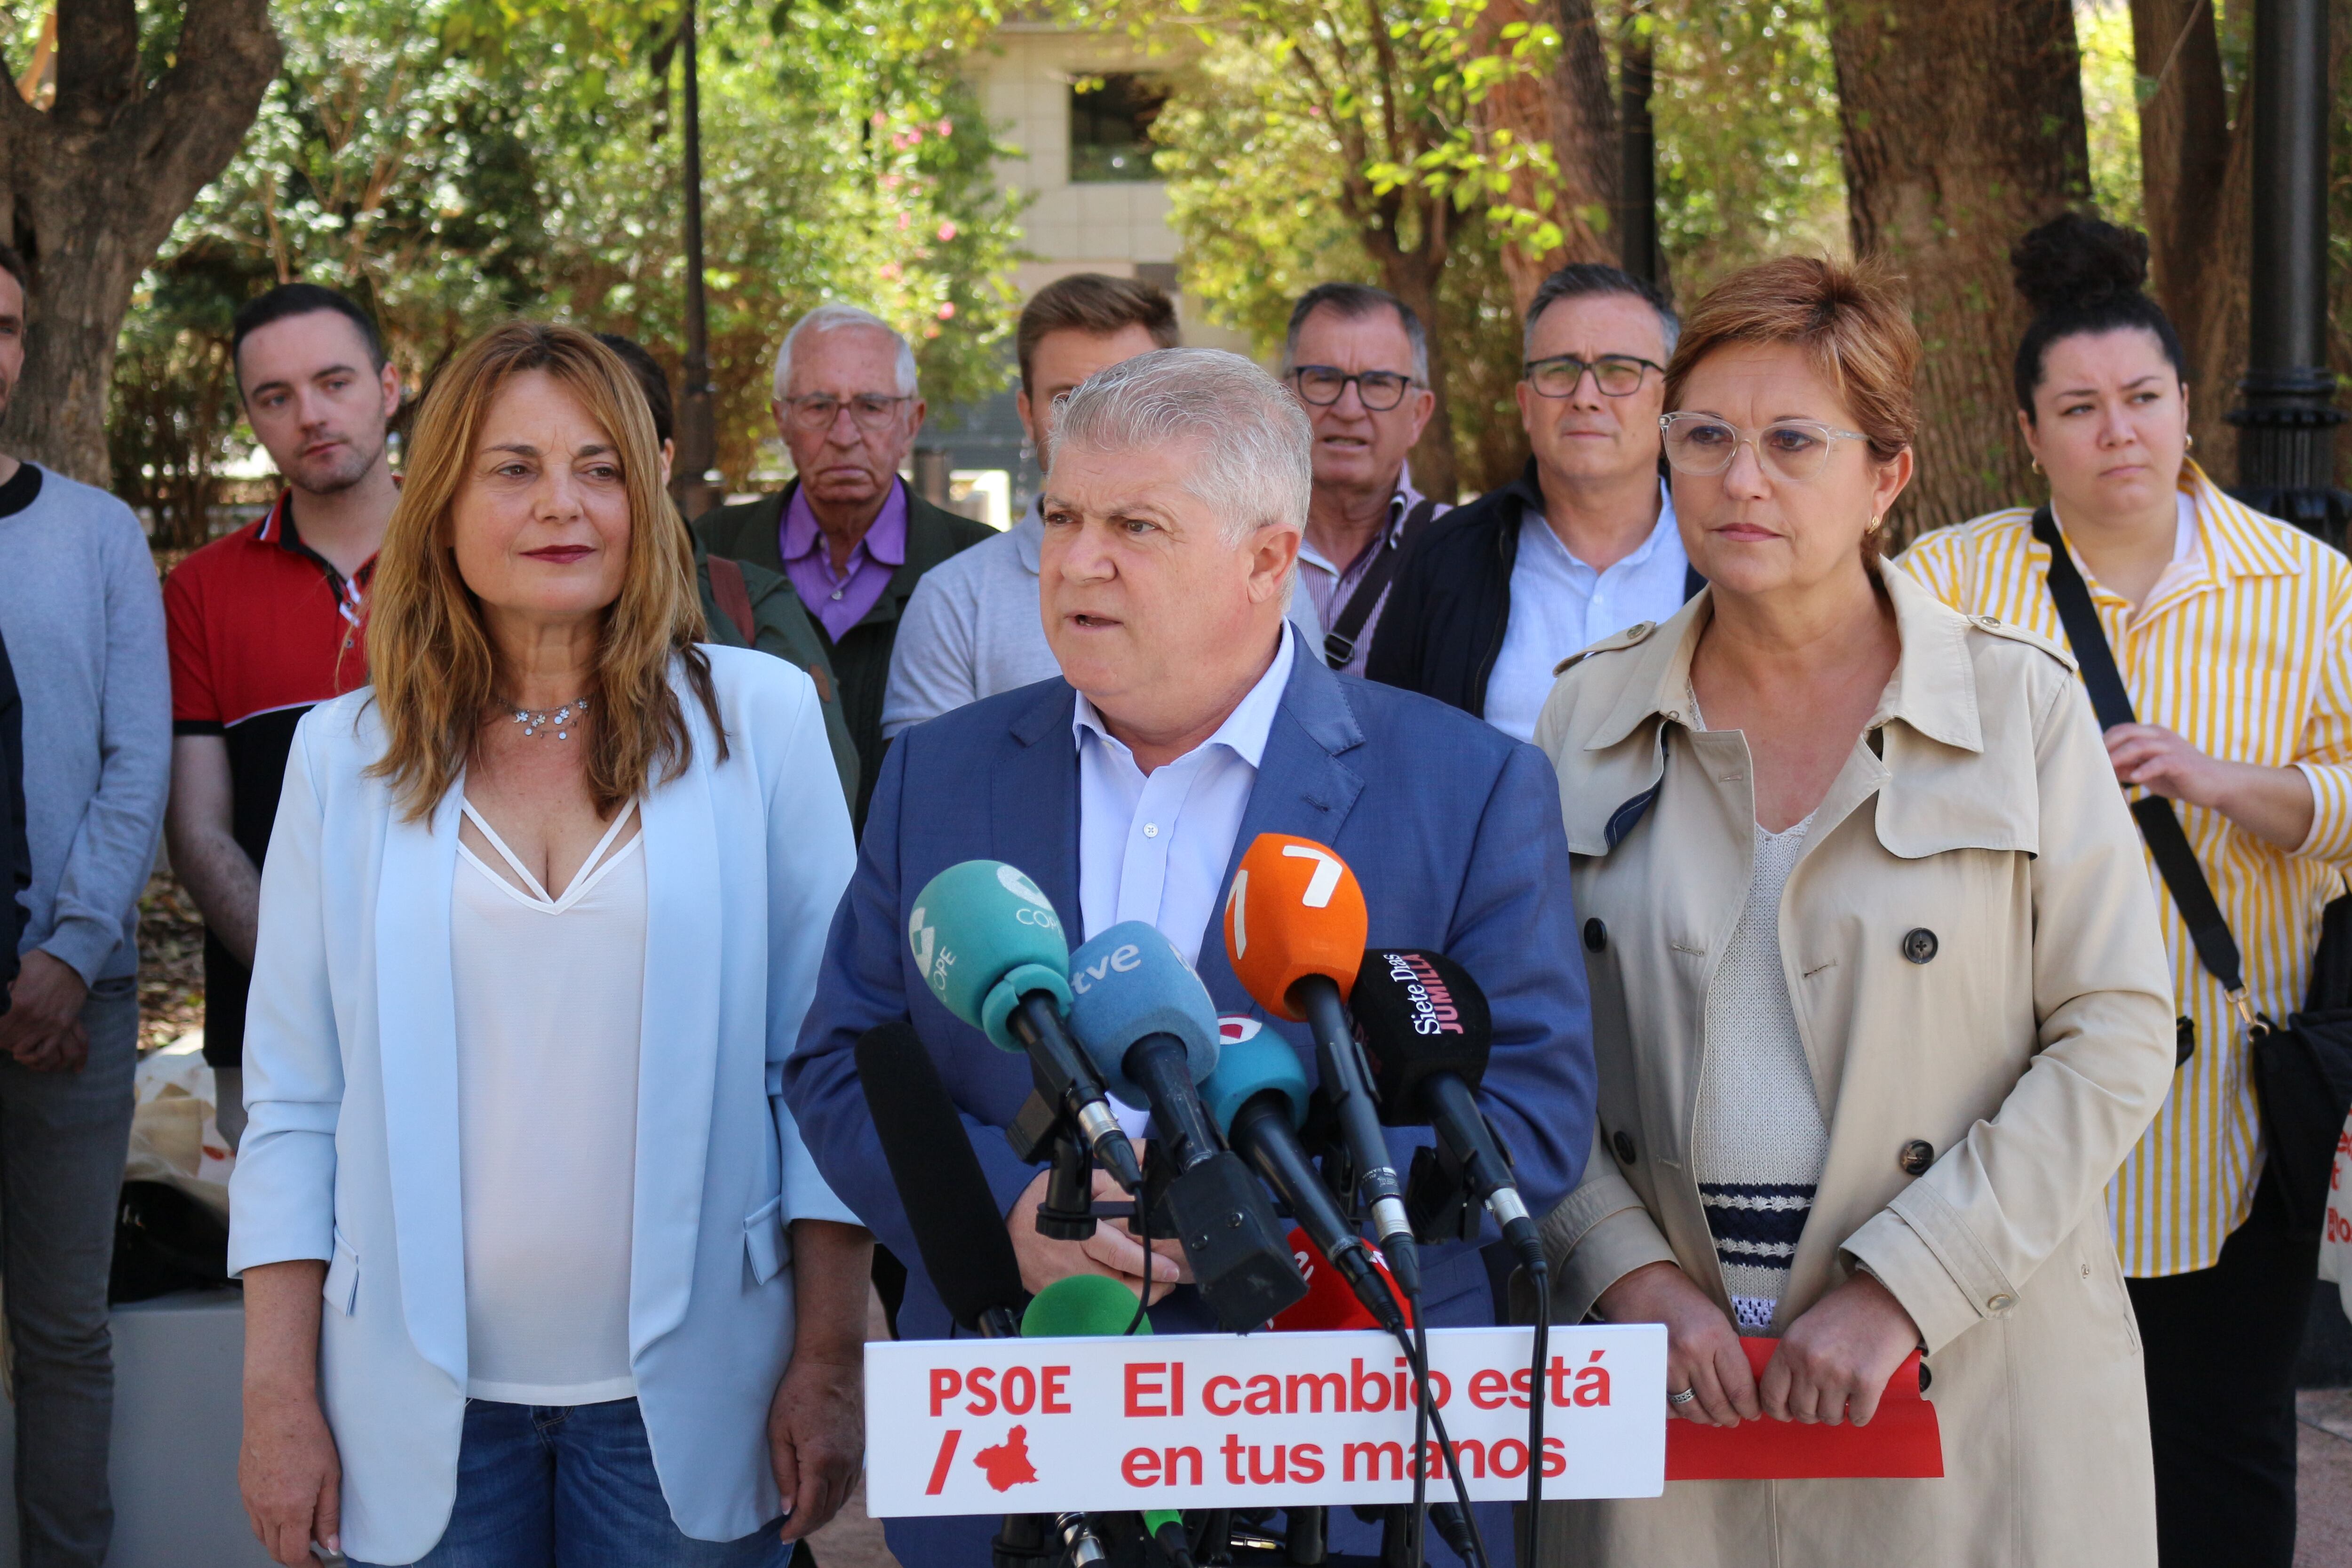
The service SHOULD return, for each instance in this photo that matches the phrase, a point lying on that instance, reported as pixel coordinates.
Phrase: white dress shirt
(1559, 606)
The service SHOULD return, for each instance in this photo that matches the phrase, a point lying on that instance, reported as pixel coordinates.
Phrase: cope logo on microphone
(931, 961)
(1040, 912)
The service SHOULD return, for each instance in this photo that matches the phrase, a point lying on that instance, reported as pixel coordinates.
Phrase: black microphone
(1427, 1030)
(963, 1238)
(1258, 1095)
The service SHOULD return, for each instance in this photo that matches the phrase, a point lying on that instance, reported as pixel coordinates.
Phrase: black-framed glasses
(870, 410)
(1324, 385)
(1799, 449)
(1618, 375)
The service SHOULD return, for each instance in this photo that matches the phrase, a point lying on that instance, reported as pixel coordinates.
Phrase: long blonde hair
(428, 653)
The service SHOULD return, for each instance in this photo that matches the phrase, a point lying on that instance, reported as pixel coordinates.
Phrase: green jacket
(861, 660)
(781, 625)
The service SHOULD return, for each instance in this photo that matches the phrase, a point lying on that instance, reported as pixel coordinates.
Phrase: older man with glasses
(1357, 360)
(1491, 597)
(847, 531)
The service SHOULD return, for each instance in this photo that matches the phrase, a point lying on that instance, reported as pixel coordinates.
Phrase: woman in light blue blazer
(537, 1270)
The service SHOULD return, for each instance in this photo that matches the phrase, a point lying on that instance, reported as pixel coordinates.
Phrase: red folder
(1901, 1439)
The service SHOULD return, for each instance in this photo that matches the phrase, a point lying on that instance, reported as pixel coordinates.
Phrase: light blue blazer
(351, 1079)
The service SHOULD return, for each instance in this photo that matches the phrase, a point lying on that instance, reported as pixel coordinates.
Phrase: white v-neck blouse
(550, 999)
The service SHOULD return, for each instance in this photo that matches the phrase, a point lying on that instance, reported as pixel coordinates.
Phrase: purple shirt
(841, 602)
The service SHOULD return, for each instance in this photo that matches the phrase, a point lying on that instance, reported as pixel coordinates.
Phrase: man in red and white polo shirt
(265, 622)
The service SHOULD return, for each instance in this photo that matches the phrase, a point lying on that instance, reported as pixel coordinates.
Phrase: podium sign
(986, 1426)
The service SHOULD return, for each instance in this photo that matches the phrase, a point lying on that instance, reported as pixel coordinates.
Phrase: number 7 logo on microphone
(1294, 909)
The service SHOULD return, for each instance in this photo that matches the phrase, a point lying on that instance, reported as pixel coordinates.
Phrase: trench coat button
(1988, 620)
(1920, 944)
(1916, 1157)
(1623, 1143)
(1596, 935)
(1999, 1303)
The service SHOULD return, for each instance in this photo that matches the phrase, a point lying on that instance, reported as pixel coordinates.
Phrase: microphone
(965, 1245)
(1294, 928)
(1146, 1025)
(1091, 1306)
(987, 941)
(1258, 1095)
(1427, 1028)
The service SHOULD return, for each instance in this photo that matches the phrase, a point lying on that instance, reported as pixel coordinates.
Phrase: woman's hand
(2272, 804)
(1112, 1251)
(1836, 1357)
(816, 1421)
(1703, 1351)
(287, 1467)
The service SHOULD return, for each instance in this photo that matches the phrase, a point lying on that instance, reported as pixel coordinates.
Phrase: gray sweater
(83, 615)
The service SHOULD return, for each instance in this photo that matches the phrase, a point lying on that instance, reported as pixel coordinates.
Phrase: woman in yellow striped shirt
(2233, 634)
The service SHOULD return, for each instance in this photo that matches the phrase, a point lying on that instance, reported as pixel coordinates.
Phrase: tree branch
(97, 60)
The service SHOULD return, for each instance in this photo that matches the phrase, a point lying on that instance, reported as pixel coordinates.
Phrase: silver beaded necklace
(559, 718)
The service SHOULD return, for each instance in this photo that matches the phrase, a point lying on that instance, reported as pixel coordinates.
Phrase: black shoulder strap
(2160, 824)
(1339, 642)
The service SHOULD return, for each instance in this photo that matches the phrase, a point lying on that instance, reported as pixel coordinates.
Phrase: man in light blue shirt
(1581, 545)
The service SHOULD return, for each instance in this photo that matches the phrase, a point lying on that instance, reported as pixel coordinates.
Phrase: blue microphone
(986, 940)
(1146, 1022)
(1258, 1095)
(1148, 1027)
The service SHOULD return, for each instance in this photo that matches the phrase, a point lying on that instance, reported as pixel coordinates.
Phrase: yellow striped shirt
(2249, 658)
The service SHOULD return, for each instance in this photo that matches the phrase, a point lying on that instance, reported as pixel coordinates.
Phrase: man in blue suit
(1190, 720)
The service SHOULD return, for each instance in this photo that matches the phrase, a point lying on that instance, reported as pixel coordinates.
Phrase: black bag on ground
(164, 1241)
(2302, 1069)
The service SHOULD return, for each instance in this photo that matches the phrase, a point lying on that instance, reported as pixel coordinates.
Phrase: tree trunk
(90, 190)
(1572, 110)
(1411, 275)
(2196, 185)
(1963, 123)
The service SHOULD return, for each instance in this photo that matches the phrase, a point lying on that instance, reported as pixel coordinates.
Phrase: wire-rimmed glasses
(1325, 385)
(1796, 450)
(1617, 375)
(870, 410)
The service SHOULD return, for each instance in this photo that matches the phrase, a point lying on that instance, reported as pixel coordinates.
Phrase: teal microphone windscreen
(983, 936)
(1246, 1068)
(1128, 982)
(1081, 1306)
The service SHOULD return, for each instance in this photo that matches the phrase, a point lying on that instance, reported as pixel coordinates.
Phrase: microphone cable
(1436, 1418)
(1418, 1525)
(1144, 1231)
(1539, 1391)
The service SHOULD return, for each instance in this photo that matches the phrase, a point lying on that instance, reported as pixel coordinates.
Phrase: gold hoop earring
(2191, 445)
(1873, 524)
(2036, 465)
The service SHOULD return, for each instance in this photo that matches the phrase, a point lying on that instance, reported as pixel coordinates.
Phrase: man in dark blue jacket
(1189, 720)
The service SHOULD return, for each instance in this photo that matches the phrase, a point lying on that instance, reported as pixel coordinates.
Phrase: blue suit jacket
(1453, 829)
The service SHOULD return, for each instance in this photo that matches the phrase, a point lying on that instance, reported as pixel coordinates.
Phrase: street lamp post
(2287, 422)
(693, 484)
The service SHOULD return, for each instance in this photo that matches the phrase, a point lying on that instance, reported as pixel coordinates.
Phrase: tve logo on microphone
(1124, 959)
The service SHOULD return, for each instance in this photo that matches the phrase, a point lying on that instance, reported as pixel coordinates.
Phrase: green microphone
(987, 943)
(1090, 1306)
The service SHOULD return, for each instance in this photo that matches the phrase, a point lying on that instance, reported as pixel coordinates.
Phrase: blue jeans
(572, 1487)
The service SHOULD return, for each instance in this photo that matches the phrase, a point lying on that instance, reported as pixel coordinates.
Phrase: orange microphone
(1295, 930)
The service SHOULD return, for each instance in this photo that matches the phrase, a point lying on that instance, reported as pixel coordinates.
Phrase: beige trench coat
(1972, 954)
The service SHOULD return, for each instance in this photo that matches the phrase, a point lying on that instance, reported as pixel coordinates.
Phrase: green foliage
(2112, 91)
(479, 159)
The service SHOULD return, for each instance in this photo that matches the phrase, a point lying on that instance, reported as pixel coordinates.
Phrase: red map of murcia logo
(1007, 1465)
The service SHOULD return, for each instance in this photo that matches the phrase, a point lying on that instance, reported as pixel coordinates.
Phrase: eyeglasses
(818, 410)
(1795, 449)
(1324, 385)
(1618, 375)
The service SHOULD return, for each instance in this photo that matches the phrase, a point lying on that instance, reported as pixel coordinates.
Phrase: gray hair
(1256, 465)
(832, 318)
(1353, 302)
(1582, 279)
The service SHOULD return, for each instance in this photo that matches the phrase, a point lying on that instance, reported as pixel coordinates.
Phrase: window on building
(1110, 126)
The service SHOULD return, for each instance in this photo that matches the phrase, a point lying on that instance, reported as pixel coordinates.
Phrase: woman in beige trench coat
(1879, 1001)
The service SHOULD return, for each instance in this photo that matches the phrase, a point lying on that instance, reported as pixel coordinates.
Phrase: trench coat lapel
(417, 1026)
(678, 1049)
